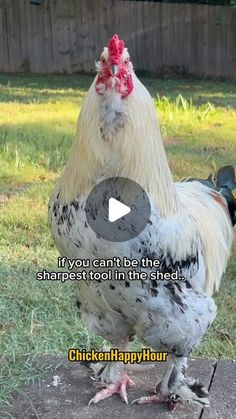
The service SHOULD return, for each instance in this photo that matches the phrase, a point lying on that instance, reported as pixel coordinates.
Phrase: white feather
(214, 227)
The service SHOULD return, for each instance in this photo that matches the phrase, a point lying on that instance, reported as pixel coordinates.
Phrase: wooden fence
(68, 35)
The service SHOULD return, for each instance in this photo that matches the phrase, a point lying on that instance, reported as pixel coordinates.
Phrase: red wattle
(124, 85)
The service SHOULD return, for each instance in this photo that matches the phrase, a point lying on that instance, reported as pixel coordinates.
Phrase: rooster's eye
(103, 60)
(126, 61)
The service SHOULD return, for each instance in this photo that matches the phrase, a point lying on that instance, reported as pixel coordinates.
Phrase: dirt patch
(169, 141)
(11, 190)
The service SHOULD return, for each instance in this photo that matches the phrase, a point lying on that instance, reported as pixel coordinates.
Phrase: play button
(117, 209)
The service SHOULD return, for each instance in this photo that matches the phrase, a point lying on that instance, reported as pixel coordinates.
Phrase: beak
(114, 69)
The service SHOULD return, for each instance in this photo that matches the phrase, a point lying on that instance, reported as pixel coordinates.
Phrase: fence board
(61, 36)
(1, 32)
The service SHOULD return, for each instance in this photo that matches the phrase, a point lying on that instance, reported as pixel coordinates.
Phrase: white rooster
(190, 230)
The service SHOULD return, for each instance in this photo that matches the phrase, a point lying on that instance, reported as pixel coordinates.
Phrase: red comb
(115, 48)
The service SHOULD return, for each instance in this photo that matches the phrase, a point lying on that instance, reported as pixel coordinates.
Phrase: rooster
(190, 230)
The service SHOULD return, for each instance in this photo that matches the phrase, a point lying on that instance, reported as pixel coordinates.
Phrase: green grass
(37, 122)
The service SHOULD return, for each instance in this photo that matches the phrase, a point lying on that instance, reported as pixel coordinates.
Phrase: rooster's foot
(171, 400)
(114, 388)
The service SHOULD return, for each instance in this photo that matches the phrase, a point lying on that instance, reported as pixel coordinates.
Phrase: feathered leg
(175, 387)
(113, 379)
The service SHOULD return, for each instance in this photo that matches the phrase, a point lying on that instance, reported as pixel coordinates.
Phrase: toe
(148, 400)
(114, 388)
(103, 394)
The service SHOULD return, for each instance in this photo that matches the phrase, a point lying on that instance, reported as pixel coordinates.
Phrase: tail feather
(226, 177)
(226, 185)
(212, 207)
(223, 182)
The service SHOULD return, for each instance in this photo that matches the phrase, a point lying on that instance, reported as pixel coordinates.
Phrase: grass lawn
(37, 122)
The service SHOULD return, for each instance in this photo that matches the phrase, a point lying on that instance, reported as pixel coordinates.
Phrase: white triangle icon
(116, 210)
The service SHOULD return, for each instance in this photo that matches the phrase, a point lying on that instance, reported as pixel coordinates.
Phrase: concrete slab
(222, 392)
(66, 392)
